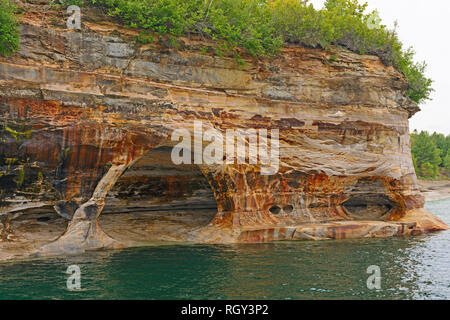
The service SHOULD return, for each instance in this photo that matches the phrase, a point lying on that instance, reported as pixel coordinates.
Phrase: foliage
(9, 31)
(67, 3)
(431, 154)
(262, 27)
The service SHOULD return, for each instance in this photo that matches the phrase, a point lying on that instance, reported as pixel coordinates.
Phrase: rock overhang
(79, 109)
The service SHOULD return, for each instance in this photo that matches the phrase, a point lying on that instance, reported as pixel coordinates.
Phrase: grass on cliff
(9, 30)
(261, 27)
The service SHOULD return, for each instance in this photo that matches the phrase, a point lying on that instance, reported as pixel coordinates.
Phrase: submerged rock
(86, 123)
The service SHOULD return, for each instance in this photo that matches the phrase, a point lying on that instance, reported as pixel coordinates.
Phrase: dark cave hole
(158, 199)
(43, 219)
(369, 207)
(369, 200)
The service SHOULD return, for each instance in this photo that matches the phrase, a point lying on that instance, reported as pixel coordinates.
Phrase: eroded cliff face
(86, 122)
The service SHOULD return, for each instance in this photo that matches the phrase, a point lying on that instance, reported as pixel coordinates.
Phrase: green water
(411, 268)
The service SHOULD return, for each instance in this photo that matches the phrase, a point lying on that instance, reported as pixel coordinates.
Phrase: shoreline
(435, 190)
(132, 232)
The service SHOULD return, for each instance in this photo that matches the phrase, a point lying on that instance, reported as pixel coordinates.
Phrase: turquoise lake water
(411, 268)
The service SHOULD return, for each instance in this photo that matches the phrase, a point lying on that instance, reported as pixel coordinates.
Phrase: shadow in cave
(156, 200)
(369, 201)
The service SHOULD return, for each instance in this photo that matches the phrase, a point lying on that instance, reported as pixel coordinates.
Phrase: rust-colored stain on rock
(85, 132)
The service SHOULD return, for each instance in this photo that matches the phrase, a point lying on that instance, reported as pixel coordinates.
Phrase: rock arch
(83, 231)
(156, 200)
(76, 123)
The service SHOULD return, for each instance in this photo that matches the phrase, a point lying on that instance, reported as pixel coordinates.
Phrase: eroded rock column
(84, 232)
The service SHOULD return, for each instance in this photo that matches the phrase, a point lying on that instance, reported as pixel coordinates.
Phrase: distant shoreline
(435, 190)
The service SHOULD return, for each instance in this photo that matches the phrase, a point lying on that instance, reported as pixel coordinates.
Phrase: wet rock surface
(85, 131)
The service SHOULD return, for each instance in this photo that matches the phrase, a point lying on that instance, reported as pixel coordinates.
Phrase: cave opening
(155, 199)
(369, 200)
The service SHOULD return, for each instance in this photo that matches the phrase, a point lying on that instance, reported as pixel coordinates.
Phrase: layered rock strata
(86, 123)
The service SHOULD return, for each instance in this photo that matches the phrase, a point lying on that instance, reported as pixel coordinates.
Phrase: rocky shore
(435, 190)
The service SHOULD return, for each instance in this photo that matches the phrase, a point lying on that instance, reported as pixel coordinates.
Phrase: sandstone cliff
(86, 119)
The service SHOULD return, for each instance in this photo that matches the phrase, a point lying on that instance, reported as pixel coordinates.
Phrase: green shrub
(9, 31)
(431, 154)
(446, 162)
(262, 27)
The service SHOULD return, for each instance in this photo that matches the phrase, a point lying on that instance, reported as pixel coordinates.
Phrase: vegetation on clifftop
(9, 31)
(261, 27)
(431, 155)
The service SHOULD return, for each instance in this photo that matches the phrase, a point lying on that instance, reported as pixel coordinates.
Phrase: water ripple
(412, 268)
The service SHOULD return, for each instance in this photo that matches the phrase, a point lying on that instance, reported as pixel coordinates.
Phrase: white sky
(425, 25)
